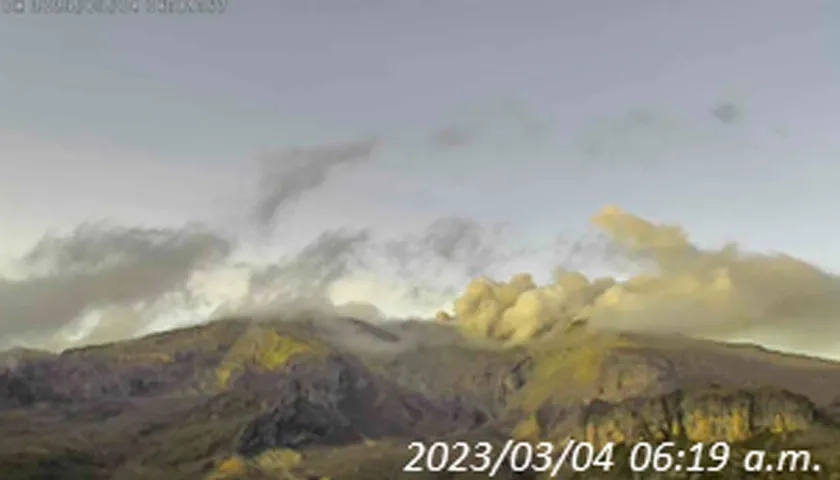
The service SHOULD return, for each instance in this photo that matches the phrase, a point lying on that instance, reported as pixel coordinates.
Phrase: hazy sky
(717, 115)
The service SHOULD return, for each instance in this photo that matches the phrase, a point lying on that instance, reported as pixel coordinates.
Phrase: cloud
(720, 294)
(647, 137)
(104, 281)
(727, 112)
(450, 138)
(101, 266)
(405, 275)
(457, 242)
(288, 174)
(638, 136)
(410, 274)
(332, 256)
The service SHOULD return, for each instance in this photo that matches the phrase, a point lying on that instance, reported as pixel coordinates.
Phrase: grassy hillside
(337, 398)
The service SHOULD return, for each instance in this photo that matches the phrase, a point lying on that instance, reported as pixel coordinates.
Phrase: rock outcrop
(279, 400)
(701, 414)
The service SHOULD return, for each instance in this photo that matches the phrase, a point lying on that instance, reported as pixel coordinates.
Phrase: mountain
(304, 396)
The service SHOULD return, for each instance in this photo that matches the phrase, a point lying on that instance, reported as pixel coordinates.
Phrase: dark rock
(337, 401)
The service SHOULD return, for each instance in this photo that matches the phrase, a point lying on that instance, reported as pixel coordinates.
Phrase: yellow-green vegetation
(528, 429)
(278, 459)
(150, 357)
(162, 347)
(783, 422)
(569, 367)
(581, 384)
(705, 415)
(612, 430)
(279, 464)
(231, 468)
(264, 349)
(703, 426)
(732, 419)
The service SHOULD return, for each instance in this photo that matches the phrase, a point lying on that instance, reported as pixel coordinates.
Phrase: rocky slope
(313, 397)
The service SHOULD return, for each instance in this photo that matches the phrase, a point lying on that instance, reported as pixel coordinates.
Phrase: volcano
(310, 397)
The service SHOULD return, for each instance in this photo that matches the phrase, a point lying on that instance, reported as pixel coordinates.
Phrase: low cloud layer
(452, 137)
(722, 294)
(103, 282)
(100, 266)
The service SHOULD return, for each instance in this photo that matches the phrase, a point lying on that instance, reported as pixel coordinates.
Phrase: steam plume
(722, 294)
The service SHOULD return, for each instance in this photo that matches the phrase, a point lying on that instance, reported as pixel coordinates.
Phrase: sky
(714, 115)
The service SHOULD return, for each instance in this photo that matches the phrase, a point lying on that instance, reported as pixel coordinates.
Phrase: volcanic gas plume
(722, 294)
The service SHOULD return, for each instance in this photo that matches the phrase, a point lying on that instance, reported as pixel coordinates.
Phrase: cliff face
(624, 389)
(700, 415)
(235, 399)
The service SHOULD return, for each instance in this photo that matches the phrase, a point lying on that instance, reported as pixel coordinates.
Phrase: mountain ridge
(286, 397)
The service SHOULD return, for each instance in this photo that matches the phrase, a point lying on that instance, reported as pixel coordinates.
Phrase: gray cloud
(419, 267)
(128, 278)
(124, 277)
(448, 242)
(645, 137)
(332, 256)
(451, 137)
(102, 266)
(727, 112)
(638, 136)
(288, 174)
(463, 242)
